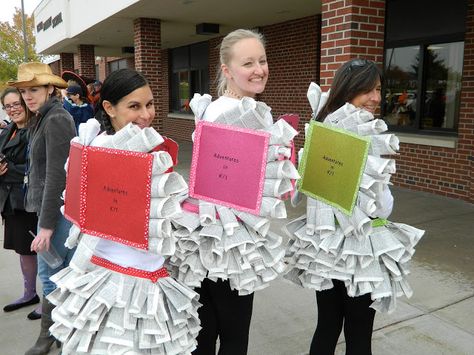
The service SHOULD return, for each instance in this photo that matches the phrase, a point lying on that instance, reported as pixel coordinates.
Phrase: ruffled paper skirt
(248, 259)
(101, 311)
(375, 264)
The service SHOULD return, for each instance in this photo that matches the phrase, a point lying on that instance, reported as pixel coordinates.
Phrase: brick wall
(293, 59)
(466, 124)
(350, 29)
(86, 60)
(103, 68)
(76, 62)
(148, 61)
(66, 62)
(55, 67)
(214, 64)
(179, 129)
(163, 91)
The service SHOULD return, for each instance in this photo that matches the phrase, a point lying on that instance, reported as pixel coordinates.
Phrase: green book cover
(332, 165)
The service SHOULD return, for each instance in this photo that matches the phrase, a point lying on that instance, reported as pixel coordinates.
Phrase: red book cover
(72, 204)
(292, 119)
(111, 190)
(172, 148)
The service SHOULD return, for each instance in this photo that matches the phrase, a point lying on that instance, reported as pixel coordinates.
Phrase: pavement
(438, 319)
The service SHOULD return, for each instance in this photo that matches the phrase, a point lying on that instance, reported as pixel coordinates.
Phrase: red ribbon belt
(151, 275)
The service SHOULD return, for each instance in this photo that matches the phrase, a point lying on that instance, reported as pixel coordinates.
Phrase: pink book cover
(108, 193)
(228, 166)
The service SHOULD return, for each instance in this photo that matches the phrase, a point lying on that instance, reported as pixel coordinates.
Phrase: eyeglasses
(15, 105)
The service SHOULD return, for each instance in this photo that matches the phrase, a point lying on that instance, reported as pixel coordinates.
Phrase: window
(117, 64)
(189, 75)
(423, 66)
(423, 86)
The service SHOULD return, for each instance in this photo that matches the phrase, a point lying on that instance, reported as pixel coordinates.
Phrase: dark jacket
(80, 114)
(50, 138)
(11, 183)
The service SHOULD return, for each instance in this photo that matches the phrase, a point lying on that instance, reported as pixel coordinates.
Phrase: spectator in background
(51, 131)
(76, 104)
(18, 222)
(94, 92)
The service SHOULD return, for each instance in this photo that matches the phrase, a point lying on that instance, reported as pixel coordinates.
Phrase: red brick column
(464, 163)
(214, 64)
(55, 67)
(350, 29)
(86, 58)
(148, 61)
(66, 62)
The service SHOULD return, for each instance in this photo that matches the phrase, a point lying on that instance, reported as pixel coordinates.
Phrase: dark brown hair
(9, 90)
(355, 77)
(116, 86)
(13, 90)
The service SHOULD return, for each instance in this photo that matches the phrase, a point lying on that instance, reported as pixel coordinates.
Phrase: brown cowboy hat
(36, 74)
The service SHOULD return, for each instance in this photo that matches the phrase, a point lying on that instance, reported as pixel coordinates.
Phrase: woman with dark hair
(51, 131)
(118, 85)
(117, 297)
(18, 222)
(356, 261)
(357, 81)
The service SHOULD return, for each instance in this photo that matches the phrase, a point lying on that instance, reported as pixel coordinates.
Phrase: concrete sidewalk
(438, 319)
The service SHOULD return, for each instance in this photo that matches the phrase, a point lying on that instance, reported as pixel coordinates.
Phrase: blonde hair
(225, 52)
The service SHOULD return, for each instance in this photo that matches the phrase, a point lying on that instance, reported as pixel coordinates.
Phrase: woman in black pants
(335, 309)
(226, 271)
(224, 313)
(357, 82)
(353, 258)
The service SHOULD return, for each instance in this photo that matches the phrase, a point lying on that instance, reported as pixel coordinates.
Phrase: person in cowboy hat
(51, 130)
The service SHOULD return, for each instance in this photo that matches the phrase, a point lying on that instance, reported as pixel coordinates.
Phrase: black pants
(336, 308)
(223, 314)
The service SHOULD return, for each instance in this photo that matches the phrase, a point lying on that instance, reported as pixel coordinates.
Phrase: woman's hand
(3, 168)
(42, 240)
